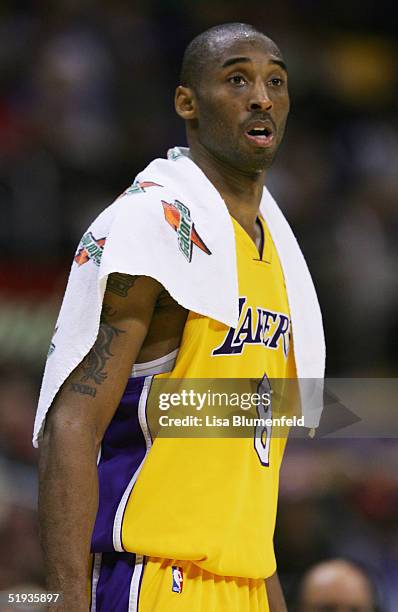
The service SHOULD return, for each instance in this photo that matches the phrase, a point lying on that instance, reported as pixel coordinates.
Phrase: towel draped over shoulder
(173, 225)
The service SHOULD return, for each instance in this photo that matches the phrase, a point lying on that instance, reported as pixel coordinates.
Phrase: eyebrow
(245, 60)
(279, 62)
(236, 60)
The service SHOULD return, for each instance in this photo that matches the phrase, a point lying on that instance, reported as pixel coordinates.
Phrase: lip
(260, 141)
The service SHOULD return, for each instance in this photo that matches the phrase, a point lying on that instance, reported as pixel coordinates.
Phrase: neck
(241, 191)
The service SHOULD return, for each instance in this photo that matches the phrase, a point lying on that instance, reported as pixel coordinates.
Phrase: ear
(185, 103)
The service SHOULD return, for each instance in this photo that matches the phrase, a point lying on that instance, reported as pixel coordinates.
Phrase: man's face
(242, 104)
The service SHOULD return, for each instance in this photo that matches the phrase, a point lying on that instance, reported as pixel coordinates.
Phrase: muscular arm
(276, 600)
(68, 484)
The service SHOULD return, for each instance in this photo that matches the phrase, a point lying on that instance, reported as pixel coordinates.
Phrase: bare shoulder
(135, 288)
(89, 396)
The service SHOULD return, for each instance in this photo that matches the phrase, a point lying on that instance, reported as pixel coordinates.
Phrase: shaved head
(336, 585)
(234, 82)
(206, 47)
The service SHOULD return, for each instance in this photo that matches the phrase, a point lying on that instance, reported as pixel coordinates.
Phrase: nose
(259, 99)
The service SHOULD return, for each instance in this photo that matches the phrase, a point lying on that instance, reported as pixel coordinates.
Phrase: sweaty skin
(244, 86)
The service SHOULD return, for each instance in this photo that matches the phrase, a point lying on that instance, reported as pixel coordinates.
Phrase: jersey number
(262, 433)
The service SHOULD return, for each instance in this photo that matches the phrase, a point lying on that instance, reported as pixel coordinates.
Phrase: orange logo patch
(90, 248)
(178, 216)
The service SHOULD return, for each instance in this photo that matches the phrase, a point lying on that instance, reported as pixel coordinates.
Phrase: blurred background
(86, 101)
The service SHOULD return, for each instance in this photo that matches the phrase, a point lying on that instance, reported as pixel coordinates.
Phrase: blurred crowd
(86, 101)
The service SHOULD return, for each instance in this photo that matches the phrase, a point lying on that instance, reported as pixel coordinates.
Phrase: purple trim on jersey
(113, 588)
(122, 450)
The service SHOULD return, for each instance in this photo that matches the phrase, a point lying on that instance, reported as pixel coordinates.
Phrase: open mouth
(261, 136)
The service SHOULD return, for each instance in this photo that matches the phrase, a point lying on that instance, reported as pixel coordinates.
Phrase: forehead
(256, 47)
(350, 588)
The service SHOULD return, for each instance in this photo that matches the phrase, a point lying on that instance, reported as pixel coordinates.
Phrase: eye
(276, 82)
(237, 80)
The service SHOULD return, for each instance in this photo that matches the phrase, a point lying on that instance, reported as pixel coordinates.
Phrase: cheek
(285, 103)
(213, 121)
(282, 107)
(214, 111)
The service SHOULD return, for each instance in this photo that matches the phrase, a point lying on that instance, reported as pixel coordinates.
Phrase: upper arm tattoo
(120, 283)
(92, 369)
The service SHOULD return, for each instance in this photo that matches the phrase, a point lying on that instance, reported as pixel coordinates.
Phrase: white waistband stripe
(156, 366)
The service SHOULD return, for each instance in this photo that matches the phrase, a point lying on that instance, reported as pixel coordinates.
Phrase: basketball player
(337, 586)
(202, 512)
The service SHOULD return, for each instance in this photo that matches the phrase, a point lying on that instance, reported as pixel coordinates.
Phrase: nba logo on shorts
(177, 579)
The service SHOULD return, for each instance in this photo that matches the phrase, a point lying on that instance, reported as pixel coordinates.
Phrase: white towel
(173, 225)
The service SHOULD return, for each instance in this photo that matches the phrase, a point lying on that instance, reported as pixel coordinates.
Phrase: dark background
(86, 101)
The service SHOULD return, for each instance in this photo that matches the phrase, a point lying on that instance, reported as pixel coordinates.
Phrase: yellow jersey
(208, 500)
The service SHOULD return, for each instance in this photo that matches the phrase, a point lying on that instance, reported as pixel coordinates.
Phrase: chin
(257, 162)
